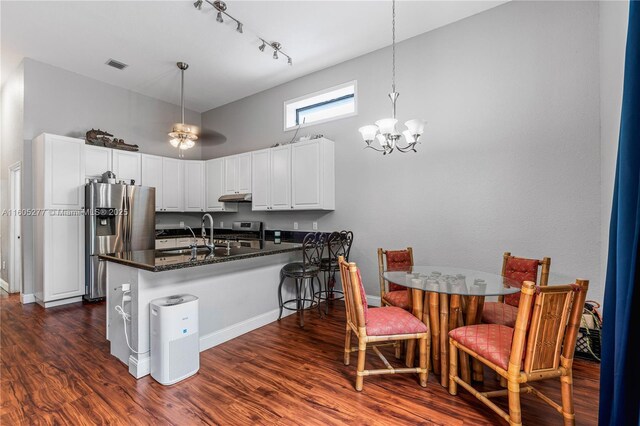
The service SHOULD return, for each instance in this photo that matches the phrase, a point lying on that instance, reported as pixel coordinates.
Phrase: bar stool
(338, 244)
(304, 273)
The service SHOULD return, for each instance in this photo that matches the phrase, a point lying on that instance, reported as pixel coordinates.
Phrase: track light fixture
(221, 8)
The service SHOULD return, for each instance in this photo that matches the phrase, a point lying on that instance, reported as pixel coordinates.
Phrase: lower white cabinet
(214, 187)
(59, 258)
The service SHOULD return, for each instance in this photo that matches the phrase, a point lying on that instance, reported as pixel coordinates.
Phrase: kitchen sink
(183, 251)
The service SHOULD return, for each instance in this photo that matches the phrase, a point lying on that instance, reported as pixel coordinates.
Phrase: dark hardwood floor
(55, 368)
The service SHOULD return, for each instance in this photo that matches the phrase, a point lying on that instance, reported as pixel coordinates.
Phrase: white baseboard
(61, 302)
(231, 332)
(373, 300)
(27, 298)
(139, 367)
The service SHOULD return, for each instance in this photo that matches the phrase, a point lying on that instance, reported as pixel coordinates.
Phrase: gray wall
(613, 34)
(510, 158)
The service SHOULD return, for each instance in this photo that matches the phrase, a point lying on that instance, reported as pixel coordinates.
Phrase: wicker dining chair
(519, 269)
(377, 326)
(540, 347)
(392, 294)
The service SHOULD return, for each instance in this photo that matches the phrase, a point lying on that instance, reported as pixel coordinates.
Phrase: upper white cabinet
(237, 174)
(59, 172)
(214, 186)
(261, 165)
(313, 175)
(152, 176)
(97, 160)
(127, 165)
(280, 178)
(172, 185)
(194, 186)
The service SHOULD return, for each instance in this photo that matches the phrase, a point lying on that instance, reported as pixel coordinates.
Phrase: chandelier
(384, 130)
(182, 137)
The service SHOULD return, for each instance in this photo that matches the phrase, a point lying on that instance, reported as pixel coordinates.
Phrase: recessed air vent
(116, 64)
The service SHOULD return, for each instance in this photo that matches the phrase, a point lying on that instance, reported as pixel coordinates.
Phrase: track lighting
(221, 8)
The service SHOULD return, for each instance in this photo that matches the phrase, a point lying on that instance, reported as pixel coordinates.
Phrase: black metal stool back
(312, 251)
(346, 237)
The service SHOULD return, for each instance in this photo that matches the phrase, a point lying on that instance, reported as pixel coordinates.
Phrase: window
(326, 105)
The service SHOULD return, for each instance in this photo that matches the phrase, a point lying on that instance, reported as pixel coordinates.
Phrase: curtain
(620, 369)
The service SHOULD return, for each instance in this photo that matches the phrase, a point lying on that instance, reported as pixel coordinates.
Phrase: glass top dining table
(452, 280)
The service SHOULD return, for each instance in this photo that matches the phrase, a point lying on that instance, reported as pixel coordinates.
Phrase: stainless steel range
(243, 234)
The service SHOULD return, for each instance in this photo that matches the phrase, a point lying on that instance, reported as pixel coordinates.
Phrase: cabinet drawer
(166, 243)
(184, 242)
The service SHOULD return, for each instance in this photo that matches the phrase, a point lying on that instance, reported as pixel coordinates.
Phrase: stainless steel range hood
(235, 198)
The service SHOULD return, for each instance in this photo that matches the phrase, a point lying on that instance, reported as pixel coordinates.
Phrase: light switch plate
(295, 225)
(221, 224)
(315, 226)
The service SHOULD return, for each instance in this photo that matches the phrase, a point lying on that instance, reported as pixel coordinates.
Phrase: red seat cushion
(519, 269)
(392, 320)
(499, 313)
(399, 298)
(398, 260)
(491, 341)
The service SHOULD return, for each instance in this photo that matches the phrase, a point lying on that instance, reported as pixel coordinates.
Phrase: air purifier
(175, 344)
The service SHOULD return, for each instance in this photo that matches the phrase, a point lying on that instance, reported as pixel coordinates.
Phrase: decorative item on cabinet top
(101, 138)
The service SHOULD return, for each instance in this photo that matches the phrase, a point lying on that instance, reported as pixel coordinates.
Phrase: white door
(152, 176)
(97, 160)
(230, 175)
(280, 173)
(306, 175)
(260, 161)
(193, 186)
(244, 173)
(126, 165)
(172, 185)
(15, 225)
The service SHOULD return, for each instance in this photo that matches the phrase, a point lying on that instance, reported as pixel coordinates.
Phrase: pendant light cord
(182, 95)
(393, 46)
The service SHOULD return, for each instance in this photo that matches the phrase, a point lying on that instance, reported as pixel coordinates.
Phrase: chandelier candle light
(182, 137)
(384, 130)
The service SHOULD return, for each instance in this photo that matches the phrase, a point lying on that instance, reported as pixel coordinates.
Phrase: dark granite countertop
(170, 259)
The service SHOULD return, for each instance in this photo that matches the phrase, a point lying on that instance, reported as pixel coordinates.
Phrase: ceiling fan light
(175, 142)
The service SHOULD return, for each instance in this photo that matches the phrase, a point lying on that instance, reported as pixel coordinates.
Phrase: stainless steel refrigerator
(119, 218)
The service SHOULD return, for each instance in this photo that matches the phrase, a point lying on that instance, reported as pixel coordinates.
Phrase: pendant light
(182, 137)
(384, 130)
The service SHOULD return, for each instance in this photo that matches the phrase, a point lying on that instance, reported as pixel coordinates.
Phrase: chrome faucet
(209, 244)
(193, 246)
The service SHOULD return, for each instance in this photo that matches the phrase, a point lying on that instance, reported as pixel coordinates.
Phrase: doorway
(15, 228)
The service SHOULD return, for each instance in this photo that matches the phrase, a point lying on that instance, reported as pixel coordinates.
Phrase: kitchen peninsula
(236, 287)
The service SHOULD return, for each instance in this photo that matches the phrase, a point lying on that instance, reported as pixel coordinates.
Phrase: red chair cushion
(393, 320)
(398, 260)
(499, 313)
(490, 341)
(399, 298)
(520, 270)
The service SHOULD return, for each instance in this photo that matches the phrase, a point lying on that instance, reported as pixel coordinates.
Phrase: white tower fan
(175, 344)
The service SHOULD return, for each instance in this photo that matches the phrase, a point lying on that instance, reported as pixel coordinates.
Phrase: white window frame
(353, 83)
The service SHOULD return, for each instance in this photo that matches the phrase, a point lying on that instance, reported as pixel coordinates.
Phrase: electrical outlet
(126, 287)
(295, 225)
(221, 224)
(181, 224)
(315, 226)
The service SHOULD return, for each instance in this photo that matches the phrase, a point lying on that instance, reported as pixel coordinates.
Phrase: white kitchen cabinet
(237, 174)
(152, 175)
(194, 183)
(313, 175)
(58, 182)
(280, 178)
(172, 185)
(260, 175)
(214, 187)
(127, 165)
(97, 160)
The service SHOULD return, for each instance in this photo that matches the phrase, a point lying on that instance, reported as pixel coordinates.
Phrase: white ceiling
(151, 36)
